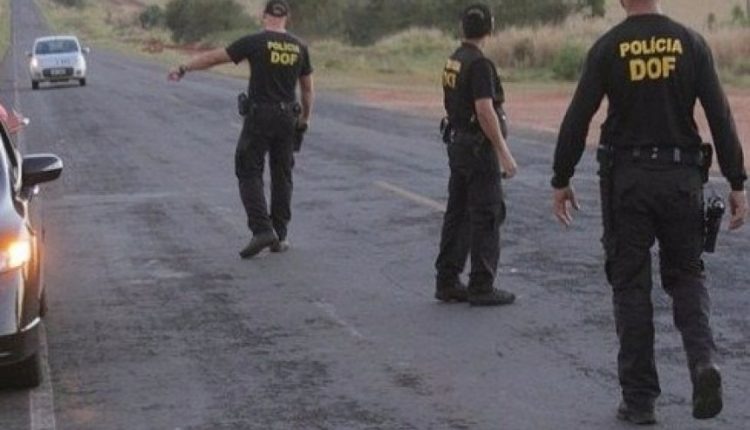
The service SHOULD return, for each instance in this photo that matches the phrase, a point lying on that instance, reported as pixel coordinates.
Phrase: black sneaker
(456, 293)
(707, 400)
(280, 246)
(641, 417)
(496, 297)
(258, 244)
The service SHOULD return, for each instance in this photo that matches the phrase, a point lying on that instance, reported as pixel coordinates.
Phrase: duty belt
(658, 155)
(290, 107)
(467, 137)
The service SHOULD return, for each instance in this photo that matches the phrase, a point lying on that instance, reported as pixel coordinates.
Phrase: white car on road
(57, 59)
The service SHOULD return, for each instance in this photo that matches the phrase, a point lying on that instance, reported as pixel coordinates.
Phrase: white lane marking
(416, 198)
(175, 98)
(112, 199)
(42, 398)
(330, 310)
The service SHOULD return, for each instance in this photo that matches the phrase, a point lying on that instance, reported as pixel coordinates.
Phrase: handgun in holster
(447, 131)
(715, 209)
(244, 105)
(299, 136)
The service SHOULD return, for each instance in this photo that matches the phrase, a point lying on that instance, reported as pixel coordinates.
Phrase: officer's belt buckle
(677, 154)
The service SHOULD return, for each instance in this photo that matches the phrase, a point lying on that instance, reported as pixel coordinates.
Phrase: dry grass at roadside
(5, 26)
(413, 57)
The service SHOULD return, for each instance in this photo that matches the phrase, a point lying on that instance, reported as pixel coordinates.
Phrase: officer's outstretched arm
(490, 124)
(307, 91)
(200, 62)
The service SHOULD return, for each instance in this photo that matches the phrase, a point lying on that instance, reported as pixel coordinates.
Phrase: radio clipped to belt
(448, 130)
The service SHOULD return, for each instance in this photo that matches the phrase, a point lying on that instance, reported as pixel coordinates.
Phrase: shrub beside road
(401, 70)
(4, 26)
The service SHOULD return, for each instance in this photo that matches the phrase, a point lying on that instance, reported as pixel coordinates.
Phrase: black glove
(299, 136)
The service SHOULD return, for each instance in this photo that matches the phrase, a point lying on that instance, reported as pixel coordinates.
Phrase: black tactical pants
(269, 130)
(642, 204)
(473, 217)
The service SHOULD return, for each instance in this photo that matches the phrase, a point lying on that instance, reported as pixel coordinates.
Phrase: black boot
(494, 297)
(707, 399)
(259, 243)
(455, 292)
(280, 247)
(641, 417)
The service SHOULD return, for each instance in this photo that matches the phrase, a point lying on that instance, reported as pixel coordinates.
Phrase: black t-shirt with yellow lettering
(652, 71)
(469, 76)
(277, 61)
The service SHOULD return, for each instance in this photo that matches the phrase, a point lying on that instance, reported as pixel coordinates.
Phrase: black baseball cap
(277, 8)
(477, 21)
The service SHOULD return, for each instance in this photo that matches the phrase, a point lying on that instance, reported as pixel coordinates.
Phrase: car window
(57, 46)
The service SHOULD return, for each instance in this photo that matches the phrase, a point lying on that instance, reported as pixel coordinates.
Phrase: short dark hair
(277, 8)
(477, 21)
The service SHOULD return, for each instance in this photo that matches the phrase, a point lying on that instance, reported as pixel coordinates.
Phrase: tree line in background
(360, 22)
(363, 22)
(539, 43)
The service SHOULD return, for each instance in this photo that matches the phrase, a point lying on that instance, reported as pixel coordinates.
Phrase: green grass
(412, 58)
(5, 27)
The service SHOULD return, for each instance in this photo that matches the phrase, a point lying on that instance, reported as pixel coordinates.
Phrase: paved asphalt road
(156, 323)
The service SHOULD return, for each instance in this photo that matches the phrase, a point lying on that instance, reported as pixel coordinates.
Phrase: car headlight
(15, 255)
(34, 63)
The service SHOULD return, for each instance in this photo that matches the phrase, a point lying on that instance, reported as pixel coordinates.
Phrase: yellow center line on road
(409, 195)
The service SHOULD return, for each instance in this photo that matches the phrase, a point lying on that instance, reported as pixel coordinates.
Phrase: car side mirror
(40, 168)
(29, 54)
(86, 50)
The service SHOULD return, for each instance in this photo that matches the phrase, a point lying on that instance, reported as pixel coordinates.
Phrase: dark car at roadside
(22, 294)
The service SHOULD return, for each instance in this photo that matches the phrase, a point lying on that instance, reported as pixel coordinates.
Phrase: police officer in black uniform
(477, 150)
(273, 122)
(653, 70)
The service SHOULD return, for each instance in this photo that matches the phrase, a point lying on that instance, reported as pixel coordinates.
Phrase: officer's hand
(175, 75)
(508, 164)
(738, 206)
(562, 196)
